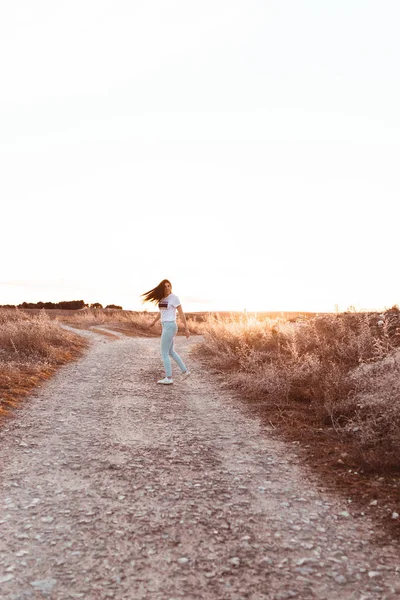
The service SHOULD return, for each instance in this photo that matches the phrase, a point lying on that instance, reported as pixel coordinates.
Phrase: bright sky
(246, 150)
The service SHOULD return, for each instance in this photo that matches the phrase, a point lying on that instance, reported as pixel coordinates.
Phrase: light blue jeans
(169, 331)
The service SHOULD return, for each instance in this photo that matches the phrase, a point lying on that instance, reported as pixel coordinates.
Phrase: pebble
(44, 585)
(373, 574)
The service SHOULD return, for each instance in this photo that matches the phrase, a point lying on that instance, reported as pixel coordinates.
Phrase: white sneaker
(186, 374)
(165, 381)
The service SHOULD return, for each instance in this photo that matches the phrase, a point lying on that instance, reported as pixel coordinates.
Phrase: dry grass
(132, 323)
(328, 382)
(374, 424)
(31, 348)
(128, 322)
(335, 373)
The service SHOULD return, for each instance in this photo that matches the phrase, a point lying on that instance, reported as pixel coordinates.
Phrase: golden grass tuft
(336, 373)
(31, 349)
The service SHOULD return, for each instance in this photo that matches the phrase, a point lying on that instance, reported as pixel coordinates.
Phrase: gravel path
(114, 487)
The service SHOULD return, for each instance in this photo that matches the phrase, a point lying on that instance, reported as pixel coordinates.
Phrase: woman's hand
(154, 321)
(187, 332)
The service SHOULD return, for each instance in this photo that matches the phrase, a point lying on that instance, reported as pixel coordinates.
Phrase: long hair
(157, 293)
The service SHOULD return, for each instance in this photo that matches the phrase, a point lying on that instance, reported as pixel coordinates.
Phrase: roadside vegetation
(31, 348)
(131, 323)
(99, 319)
(331, 381)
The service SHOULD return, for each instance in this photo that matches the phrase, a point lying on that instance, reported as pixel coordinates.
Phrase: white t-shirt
(167, 308)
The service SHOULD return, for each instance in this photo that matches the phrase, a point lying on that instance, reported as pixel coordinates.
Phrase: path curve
(114, 487)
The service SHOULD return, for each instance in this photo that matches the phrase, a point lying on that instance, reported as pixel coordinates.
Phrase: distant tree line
(64, 305)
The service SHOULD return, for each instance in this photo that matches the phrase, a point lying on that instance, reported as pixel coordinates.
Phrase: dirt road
(114, 487)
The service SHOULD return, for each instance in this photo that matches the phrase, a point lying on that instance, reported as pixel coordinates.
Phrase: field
(328, 382)
(137, 322)
(133, 323)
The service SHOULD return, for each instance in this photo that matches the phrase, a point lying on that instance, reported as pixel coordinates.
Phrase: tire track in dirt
(114, 487)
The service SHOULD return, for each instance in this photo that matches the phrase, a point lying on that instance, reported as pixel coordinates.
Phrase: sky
(248, 151)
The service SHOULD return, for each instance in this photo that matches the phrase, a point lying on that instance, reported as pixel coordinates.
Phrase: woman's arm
(183, 319)
(155, 320)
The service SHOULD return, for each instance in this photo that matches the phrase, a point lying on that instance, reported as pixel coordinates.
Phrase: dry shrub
(196, 326)
(31, 347)
(38, 337)
(375, 422)
(310, 363)
(129, 322)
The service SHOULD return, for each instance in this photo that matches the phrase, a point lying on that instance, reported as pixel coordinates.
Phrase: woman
(168, 303)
